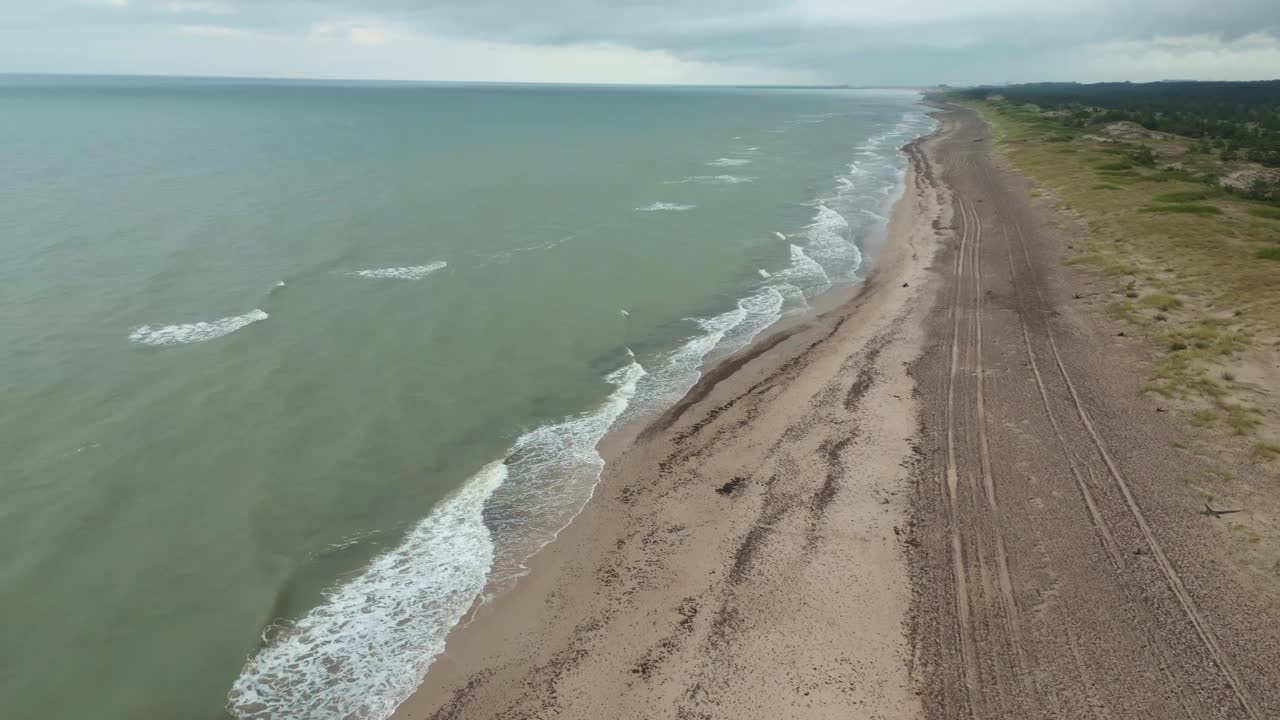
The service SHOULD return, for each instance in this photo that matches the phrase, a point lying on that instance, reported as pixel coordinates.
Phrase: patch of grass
(1242, 420)
(1177, 345)
(1106, 186)
(1203, 418)
(1182, 197)
(1264, 451)
(1116, 166)
(1188, 209)
(1161, 300)
(1091, 259)
(1271, 253)
(1270, 213)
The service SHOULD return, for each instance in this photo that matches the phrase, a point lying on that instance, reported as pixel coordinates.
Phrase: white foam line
(408, 272)
(368, 646)
(713, 180)
(186, 334)
(665, 207)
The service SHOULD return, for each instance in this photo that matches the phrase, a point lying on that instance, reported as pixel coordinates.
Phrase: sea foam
(665, 207)
(729, 162)
(364, 650)
(829, 244)
(714, 180)
(409, 272)
(722, 334)
(367, 647)
(163, 335)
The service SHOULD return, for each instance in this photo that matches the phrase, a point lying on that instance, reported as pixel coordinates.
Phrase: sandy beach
(745, 555)
(944, 498)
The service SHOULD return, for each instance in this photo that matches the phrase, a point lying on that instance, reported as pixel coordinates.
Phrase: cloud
(199, 7)
(208, 30)
(855, 41)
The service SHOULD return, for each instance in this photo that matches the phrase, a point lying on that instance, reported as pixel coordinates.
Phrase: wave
(729, 162)
(714, 180)
(829, 244)
(164, 335)
(554, 470)
(665, 207)
(804, 273)
(725, 333)
(368, 646)
(410, 272)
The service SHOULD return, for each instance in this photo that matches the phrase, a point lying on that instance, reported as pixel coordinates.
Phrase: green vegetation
(1188, 209)
(1179, 249)
(1143, 156)
(1183, 197)
(1232, 120)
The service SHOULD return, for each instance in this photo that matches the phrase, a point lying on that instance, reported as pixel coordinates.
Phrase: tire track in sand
(1008, 600)
(1202, 628)
(952, 479)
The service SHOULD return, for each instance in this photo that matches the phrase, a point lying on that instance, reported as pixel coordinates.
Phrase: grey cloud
(844, 40)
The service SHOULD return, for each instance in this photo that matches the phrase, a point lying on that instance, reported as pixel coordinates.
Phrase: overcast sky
(881, 42)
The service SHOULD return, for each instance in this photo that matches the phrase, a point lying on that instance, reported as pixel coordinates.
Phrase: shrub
(1259, 189)
(1143, 156)
(1271, 253)
(1269, 213)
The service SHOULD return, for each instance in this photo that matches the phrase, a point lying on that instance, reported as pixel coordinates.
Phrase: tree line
(1236, 120)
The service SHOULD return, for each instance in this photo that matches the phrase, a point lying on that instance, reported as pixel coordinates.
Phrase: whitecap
(780, 236)
(714, 180)
(729, 162)
(409, 272)
(665, 207)
(162, 335)
(764, 273)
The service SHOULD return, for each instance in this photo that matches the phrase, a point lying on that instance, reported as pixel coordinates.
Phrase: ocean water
(296, 372)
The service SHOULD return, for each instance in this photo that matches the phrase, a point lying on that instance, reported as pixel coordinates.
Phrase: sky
(857, 42)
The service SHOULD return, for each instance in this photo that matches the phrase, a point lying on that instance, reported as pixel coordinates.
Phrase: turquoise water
(293, 371)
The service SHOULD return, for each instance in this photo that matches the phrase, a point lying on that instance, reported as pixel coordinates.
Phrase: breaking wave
(163, 335)
(410, 272)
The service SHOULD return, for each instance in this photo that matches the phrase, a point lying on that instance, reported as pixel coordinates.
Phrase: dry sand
(942, 499)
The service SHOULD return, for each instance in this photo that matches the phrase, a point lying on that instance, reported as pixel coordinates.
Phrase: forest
(1238, 120)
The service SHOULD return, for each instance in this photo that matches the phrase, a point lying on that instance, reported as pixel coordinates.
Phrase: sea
(295, 373)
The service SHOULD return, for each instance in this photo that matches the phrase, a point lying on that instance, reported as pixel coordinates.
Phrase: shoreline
(551, 623)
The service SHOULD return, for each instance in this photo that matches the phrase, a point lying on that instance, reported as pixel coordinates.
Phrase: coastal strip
(745, 556)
